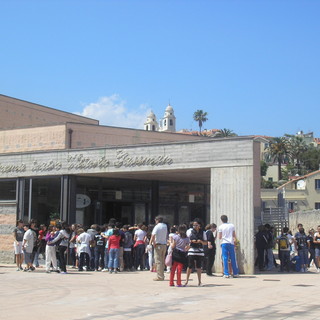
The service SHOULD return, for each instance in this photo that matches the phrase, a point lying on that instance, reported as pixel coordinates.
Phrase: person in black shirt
(210, 248)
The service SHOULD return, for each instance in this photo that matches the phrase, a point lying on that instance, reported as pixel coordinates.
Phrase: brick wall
(7, 224)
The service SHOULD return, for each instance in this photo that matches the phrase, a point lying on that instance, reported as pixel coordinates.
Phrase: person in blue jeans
(114, 247)
(227, 235)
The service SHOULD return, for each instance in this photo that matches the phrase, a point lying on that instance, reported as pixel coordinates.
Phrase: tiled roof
(299, 178)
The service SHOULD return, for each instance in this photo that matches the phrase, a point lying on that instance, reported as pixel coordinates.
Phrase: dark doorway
(121, 211)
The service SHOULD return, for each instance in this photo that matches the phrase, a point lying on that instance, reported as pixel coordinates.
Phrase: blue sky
(252, 65)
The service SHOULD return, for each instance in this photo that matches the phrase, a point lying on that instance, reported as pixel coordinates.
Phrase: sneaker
(105, 270)
(225, 276)
(235, 276)
(48, 271)
(63, 272)
(18, 269)
(30, 270)
(158, 279)
(116, 271)
(318, 270)
(179, 285)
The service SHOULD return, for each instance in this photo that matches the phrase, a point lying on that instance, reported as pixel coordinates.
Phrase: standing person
(98, 250)
(35, 255)
(210, 248)
(29, 239)
(227, 234)
(92, 232)
(62, 242)
(316, 241)
(114, 247)
(284, 240)
(106, 236)
(72, 245)
(139, 247)
(269, 248)
(312, 250)
(18, 233)
(159, 242)
(121, 233)
(198, 239)
(261, 242)
(42, 241)
(51, 256)
(301, 240)
(127, 248)
(84, 249)
(180, 245)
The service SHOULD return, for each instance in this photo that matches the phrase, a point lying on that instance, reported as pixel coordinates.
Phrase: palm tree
(223, 133)
(278, 150)
(200, 117)
(297, 147)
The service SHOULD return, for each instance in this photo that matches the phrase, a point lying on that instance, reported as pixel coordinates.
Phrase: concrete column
(232, 194)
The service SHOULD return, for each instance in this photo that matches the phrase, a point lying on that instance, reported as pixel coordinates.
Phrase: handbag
(179, 256)
(168, 260)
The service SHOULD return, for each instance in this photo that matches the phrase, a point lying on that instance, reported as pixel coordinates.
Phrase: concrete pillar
(232, 194)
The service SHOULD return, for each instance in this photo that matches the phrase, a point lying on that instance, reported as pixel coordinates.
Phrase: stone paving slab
(134, 295)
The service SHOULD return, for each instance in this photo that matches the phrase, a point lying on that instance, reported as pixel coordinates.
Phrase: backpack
(283, 242)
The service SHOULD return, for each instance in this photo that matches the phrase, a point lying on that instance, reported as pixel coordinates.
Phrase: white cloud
(112, 111)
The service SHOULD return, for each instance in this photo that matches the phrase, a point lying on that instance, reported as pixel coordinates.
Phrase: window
(171, 122)
(317, 184)
(317, 205)
(8, 190)
(291, 206)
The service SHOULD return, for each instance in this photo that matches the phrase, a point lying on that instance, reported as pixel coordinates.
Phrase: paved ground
(91, 295)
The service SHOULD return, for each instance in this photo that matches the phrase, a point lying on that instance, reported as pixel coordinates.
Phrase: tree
(223, 133)
(263, 168)
(311, 159)
(278, 150)
(200, 117)
(296, 148)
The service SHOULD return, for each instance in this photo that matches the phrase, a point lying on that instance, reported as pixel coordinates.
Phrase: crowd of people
(296, 252)
(115, 248)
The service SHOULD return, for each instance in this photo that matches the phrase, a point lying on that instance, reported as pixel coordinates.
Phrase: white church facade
(167, 123)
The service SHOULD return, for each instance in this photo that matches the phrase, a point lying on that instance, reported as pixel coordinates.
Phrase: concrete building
(299, 194)
(59, 163)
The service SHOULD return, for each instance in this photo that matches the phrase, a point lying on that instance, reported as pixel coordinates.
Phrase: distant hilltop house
(299, 194)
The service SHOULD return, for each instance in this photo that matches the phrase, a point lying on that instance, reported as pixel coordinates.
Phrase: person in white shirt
(227, 235)
(159, 241)
(84, 239)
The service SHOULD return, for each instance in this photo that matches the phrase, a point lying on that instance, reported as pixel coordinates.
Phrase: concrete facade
(230, 165)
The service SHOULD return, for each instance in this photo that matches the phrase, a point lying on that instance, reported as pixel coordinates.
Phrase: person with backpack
(127, 248)
(284, 241)
(99, 249)
(301, 240)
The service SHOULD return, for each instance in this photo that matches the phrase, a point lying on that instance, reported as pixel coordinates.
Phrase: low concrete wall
(7, 224)
(309, 219)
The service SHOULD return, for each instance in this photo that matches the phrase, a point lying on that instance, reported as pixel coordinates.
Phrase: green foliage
(311, 159)
(263, 168)
(223, 133)
(266, 184)
(200, 117)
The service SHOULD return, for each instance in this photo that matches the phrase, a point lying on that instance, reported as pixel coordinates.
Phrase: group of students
(296, 252)
(114, 247)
